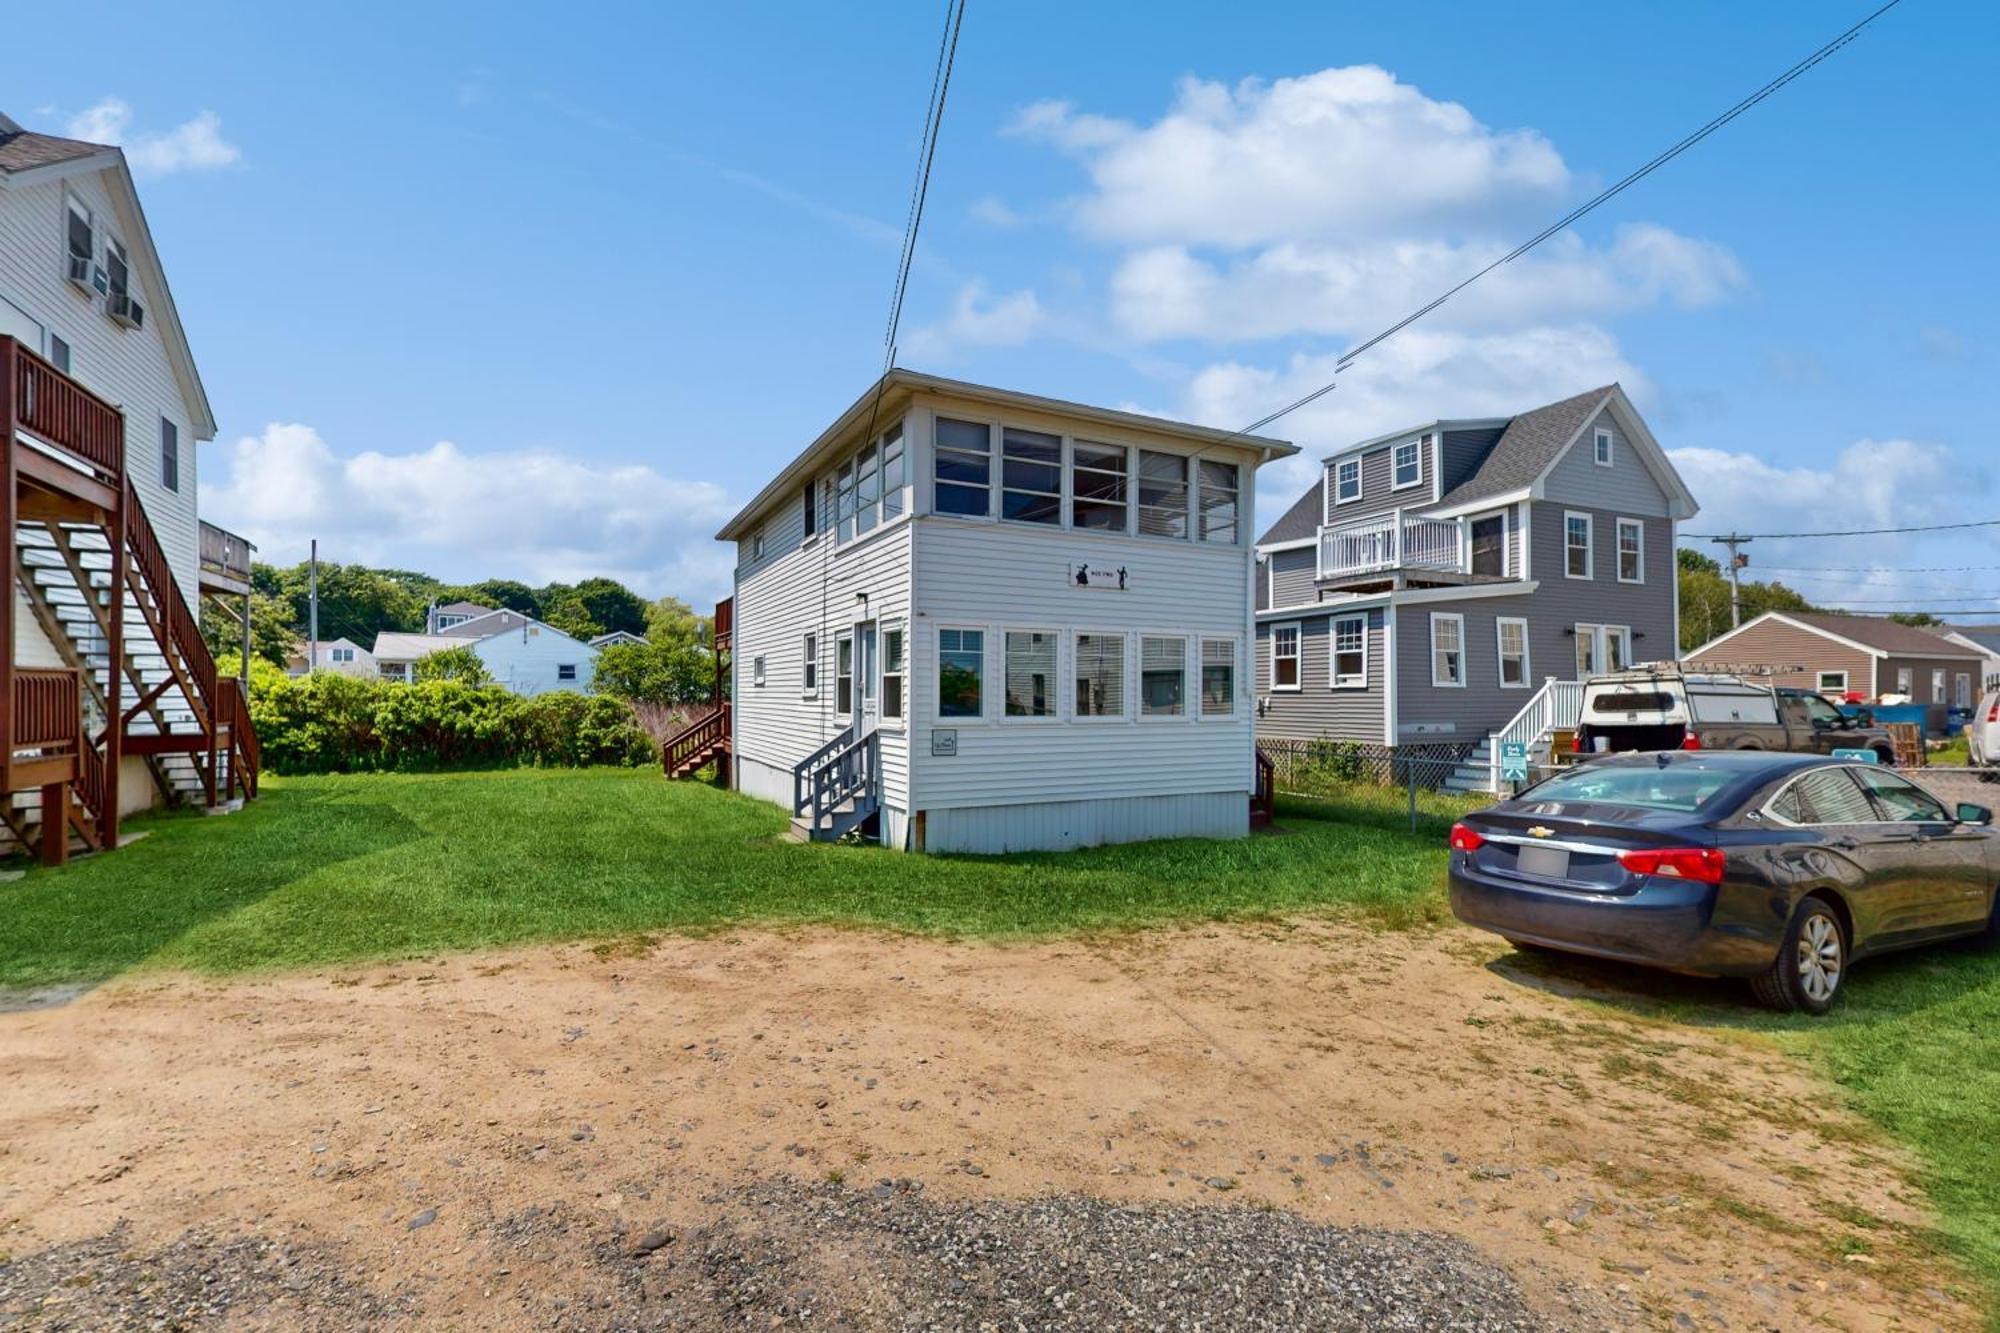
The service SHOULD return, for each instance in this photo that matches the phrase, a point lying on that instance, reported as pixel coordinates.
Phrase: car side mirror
(1968, 813)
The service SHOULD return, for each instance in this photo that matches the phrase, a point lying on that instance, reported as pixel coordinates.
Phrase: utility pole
(1737, 560)
(312, 609)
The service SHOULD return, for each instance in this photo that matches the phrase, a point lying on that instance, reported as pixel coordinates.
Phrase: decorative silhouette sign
(1083, 574)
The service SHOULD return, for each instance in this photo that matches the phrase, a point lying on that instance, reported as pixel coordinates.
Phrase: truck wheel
(1811, 964)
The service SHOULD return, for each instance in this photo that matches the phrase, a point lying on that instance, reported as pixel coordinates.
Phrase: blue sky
(486, 294)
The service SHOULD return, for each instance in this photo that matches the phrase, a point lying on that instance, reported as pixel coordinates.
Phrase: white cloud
(993, 211)
(978, 319)
(1287, 289)
(1337, 154)
(193, 145)
(536, 516)
(1419, 376)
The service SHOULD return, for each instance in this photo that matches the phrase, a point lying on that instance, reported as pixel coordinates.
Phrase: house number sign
(944, 742)
(1082, 574)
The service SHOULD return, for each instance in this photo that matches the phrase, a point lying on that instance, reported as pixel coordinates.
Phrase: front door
(866, 676)
(1489, 545)
(1602, 648)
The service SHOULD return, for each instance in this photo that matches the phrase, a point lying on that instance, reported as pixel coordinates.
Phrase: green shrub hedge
(329, 723)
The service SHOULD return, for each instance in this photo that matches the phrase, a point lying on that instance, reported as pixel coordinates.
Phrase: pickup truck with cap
(1663, 707)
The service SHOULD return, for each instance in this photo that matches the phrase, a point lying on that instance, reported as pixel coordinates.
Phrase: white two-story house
(101, 408)
(1447, 581)
(971, 619)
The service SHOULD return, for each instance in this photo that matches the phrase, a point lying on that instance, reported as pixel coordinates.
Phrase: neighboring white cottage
(970, 619)
(528, 657)
(344, 656)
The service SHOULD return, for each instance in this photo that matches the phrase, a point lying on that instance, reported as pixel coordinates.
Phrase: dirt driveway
(498, 1140)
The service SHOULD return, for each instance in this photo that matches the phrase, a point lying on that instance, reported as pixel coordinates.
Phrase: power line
(1876, 569)
(1846, 532)
(1576, 214)
(926, 153)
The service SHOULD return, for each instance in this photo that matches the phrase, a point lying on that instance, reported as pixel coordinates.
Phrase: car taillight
(1993, 711)
(1692, 741)
(1464, 839)
(1702, 864)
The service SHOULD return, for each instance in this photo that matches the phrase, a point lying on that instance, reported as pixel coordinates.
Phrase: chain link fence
(1439, 781)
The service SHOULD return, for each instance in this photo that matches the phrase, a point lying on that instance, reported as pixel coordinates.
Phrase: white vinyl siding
(1447, 648)
(1347, 646)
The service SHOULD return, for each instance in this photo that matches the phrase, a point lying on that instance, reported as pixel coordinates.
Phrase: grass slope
(335, 869)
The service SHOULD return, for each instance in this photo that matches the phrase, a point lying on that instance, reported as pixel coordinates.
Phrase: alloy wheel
(1820, 960)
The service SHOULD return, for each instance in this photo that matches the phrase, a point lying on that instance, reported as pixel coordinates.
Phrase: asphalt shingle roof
(1880, 632)
(1300, 521)
(25, 150)
(1527, 447)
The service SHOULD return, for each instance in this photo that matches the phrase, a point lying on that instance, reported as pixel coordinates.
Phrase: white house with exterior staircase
(1451, 583)
(110, 699)
(975, 620)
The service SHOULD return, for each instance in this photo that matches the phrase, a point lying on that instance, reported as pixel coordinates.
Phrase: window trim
(1906, 682)
(1139, 505)
(900, 719)
(1334, 680)
(1589, 545)
(1199, 486)
(1128, 504)
(1127, 696)
(1940, 679)
(1821, 687)
(1602, 445)
(1139, 695)
(992, 429)
(560, 668)
(1338, 465)
(1619, 527)
(757, 672)
(809, 664)
(1201, 642)
(1500, 653)
(1060, 495)
(843, 713)
(938, 715)
(757, 545)
(1464, 660)
(1395, 464)
(1297, 655)
(809, 513)
(1055, 713)
(170, 456)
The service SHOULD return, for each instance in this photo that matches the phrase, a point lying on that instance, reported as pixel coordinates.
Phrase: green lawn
(338, 869)
(332, 869)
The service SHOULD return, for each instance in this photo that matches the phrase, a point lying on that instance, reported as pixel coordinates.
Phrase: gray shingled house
(1452, 581)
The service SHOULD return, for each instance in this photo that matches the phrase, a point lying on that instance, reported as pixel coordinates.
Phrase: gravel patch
(827, 1256)
(198, 1281)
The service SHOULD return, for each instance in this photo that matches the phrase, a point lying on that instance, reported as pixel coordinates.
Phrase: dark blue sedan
(1782, 868)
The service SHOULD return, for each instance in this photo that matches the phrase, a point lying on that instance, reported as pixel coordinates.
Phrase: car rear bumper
(1666, 923)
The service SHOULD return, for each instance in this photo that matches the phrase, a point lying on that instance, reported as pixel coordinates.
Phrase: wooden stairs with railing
(837, 789)
(705, 739)
(137, 677)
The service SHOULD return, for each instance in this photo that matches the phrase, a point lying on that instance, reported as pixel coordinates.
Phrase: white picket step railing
(1558, 704)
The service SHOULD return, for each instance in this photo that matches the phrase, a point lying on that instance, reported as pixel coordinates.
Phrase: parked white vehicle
(1982, 733)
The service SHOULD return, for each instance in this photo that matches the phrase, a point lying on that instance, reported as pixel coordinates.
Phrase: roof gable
(1300, 522)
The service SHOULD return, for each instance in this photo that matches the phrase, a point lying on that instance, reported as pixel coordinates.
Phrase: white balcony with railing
(1391, 541)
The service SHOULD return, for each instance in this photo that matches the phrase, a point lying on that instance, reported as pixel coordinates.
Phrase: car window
(1645, 785)
(1789, 806)
(1902, 800)
(1831, 796)
(1822, 712)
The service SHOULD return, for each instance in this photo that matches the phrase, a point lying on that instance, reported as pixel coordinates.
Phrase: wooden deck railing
(725, 622)
(180, 632)
(246, 753)
(58, 411)
(696, 739)
(48, 709)
(224, 553)
(1264, 800)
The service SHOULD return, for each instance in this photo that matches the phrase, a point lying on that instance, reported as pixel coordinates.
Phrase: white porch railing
(1558, 704)
(1393, 540)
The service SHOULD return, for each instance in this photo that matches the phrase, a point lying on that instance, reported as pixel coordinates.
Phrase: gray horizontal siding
(1377, 474)
(1316, 710)
(1464, 450)
(1627, 486)
(1294, 577)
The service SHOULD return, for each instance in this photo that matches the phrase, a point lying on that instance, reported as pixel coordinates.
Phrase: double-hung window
(1937, 685)
(170, 455)
(1100, 675)
(809, 511)
(1030, 476)
(1218, 677)
(1447, 648)
(1162, 676)
(843, 675)
(1511, 640)
(1284, 657)
(892, 673)
(1163, 494)
(1098, 495)
(1347, 481)
(81, 234)
(757, 671)
(961, 672)
(1409, 465)
(962, 468)
(1906, 683)
(1576, 545)
(1631, 551)
(1216, 500)
(1348, 642)
(1031, 673)
(809, 671)
(117, 271)
(1601, 447)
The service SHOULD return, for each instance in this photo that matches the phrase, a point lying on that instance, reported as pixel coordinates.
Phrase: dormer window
(1347, 481)
(1409, 465)
(1601, 447)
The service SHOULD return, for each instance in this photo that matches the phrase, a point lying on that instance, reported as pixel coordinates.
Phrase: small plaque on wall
(944, 742)
(1082, 574)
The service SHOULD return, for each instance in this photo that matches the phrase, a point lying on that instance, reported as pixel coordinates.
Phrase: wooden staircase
(837, 789)
(706, 739)
(137, 677)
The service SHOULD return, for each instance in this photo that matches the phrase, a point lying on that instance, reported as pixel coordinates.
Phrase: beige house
(1855, 657)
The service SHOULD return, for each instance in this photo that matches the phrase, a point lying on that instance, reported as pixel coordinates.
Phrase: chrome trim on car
(1596, 848)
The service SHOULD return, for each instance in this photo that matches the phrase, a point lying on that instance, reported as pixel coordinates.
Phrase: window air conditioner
(124, 310)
